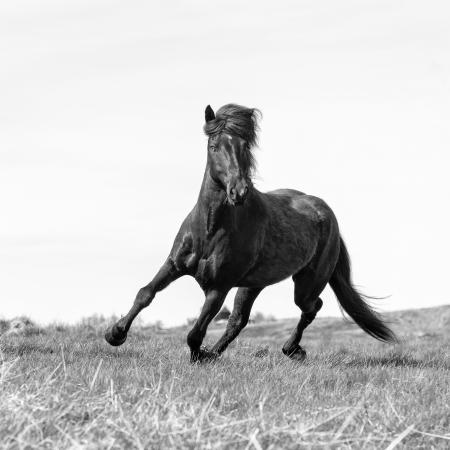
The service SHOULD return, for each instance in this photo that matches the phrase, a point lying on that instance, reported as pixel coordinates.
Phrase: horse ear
(209, 114)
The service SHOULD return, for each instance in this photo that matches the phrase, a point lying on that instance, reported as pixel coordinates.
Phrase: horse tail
(353, 303)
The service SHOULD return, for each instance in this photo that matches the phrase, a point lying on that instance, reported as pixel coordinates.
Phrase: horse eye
(213, 148)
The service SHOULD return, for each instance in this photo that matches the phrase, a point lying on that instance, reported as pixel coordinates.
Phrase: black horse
(236, 236)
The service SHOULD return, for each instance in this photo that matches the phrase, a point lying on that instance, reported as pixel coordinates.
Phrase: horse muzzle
(237, 194)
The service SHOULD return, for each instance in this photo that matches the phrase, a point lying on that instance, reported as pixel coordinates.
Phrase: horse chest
(223, 261)
(219, 244)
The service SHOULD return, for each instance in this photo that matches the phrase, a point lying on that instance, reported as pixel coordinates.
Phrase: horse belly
(285, 252)
(274, 270)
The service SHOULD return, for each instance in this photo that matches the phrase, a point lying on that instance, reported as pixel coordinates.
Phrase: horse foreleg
(243, 303)
(117, 334)
(213, 302)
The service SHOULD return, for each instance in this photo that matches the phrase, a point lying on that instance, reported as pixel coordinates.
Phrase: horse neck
(211, 193)
(212, 208)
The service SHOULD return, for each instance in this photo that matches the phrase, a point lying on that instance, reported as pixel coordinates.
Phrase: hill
(63, 387)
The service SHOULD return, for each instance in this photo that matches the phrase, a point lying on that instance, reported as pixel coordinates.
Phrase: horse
(237, 236)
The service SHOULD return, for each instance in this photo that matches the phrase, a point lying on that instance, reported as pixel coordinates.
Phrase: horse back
(311, 208)
(297, 226)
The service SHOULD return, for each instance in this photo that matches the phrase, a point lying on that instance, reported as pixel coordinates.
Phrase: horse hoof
(298, 354)
(114, 337)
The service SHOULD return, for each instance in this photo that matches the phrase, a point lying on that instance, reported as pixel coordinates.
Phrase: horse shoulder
(183, 253)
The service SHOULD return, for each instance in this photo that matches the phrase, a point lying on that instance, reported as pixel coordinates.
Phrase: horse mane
(238, 121)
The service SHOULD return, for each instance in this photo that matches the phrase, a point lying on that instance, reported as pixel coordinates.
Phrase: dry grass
(64, 387)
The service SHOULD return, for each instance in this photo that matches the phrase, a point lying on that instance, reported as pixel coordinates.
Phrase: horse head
(231, 135)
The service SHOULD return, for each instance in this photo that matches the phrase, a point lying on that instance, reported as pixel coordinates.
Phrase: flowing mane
(239, 121)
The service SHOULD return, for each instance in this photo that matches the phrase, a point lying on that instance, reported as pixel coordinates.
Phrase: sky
(102, 151)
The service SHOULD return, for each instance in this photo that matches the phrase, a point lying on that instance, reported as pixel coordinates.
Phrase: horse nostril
(243, 192)
(233, 193)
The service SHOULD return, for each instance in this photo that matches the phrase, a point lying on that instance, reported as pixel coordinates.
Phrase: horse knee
(309, 316)
(308, 305)
(237, 321)
(305, 304)
(144, 297)
(319, 304)
(242, 322)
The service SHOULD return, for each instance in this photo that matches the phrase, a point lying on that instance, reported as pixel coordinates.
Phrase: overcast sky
(102, 151)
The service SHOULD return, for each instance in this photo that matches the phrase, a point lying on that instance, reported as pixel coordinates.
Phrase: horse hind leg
(306, 294)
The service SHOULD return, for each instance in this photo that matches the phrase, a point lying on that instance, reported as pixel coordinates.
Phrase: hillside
(64, 387)
(415, 325)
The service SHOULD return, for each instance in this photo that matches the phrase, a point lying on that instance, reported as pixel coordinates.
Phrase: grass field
(64, 387)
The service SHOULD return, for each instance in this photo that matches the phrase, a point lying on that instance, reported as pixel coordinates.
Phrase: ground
(64, 387)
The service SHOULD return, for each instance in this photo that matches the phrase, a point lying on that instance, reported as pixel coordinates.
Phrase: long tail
(353, 303)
